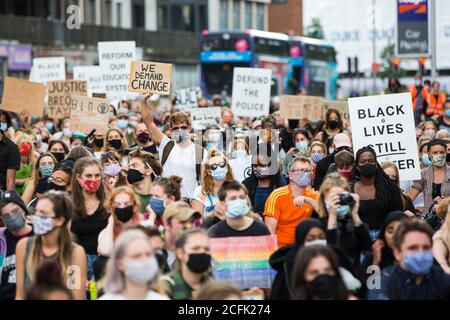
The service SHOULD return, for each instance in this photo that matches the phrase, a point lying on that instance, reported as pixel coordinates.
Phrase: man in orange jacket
(419, 97)
(435, 101)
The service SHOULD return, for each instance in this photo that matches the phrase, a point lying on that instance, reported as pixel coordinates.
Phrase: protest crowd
(156, 206)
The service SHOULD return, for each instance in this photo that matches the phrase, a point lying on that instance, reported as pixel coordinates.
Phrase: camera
(346, 198)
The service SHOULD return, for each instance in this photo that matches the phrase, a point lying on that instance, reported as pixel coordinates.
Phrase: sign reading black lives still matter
(251, 92)
(150, 77)
(386, 123)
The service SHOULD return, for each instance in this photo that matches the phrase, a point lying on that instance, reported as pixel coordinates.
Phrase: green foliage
(315, 29)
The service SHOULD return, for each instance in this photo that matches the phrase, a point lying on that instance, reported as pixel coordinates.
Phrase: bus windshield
(226, 42)
(320, 53)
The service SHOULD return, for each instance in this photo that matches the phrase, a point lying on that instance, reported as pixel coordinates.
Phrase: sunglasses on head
(216, 165)
(180, 128)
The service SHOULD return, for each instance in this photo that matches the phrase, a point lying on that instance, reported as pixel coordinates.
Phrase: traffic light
(396, 63)
(422, 65)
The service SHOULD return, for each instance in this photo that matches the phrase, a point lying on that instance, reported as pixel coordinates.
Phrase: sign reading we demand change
(386, 123)
(150, 77)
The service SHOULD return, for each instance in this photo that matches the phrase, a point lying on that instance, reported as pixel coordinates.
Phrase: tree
(387, 63)
(315, 29)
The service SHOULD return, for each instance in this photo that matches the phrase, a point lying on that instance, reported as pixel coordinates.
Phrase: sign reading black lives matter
(150, 77)
(251, 92)
(386, 123)
(89, 113)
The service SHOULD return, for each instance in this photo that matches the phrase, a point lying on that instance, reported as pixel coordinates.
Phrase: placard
(115, 59)
(341, 106)
(386, 123)
(251, 92)
(45, 70)
(298, 107)
(19, 94)
(60, 97)
(187, 98)
(89, 113)
(93, 76)
(202, 117)
(150, 77)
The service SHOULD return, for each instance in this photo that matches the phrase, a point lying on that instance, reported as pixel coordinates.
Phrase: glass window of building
(183, 17)
(138, 8)
(223, 14)
(119, 14)
(248, 15)
(106, 13)
(203, 23)
(163, 19)
(260, 16)
(89, 11)
(236, 14)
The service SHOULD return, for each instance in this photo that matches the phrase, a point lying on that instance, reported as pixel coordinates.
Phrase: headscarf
(303, 229)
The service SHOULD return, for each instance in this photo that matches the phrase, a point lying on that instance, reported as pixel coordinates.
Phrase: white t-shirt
(181, 162)
(151, 295)
(242, 168)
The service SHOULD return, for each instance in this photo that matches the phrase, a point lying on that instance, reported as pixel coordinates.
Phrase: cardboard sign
(60, 97)
(93, 76)
(244, 261)
(21, 94)
(187, 98)
(150, 77)
(115, 59)
(341, 106)
(386, 123)
(297, 107)
(89, 113)
(45, 70)
(202, 117)
(251, 92)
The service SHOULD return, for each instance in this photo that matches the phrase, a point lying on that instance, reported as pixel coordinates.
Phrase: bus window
(218, 77)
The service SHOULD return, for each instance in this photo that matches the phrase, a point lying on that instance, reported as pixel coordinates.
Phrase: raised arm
(147, 118)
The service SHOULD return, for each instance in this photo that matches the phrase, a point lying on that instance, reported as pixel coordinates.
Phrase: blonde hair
(26, 138)
(207, 179)
(332, 180)
(234, 145)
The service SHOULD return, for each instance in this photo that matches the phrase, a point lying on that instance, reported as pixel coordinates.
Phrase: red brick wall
(286, 18)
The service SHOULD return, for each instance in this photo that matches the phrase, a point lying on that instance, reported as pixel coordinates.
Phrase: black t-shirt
(287, 141)
(210, 221)
(8, 280)
(442, 125)
(223, 230)
(151, 149)
(87, 229)
(9, 159)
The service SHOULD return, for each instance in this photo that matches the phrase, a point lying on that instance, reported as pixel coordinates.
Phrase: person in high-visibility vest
(435, 101)
(419, 95)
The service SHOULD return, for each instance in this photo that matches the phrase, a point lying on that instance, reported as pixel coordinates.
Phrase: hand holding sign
(150, 77)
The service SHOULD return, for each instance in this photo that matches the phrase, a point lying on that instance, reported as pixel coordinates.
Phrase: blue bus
(224, 50)
(313, 66)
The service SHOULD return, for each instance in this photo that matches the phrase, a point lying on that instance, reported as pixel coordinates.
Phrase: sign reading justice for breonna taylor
(251, 92)
(386, 123)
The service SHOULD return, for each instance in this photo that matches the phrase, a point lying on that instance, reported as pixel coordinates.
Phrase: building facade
(285, 16)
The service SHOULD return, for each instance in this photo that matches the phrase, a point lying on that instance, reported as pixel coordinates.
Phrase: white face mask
(142, 271)
(318, 242)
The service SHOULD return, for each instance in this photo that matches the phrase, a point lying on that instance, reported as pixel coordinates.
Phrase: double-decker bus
(222, 51)
(313, 65)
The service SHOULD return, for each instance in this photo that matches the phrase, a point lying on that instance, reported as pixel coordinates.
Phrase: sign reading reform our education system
(251, 92)
(386, 123)
(150, 77)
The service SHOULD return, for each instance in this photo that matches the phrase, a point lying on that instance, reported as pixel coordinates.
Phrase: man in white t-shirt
(179, 156)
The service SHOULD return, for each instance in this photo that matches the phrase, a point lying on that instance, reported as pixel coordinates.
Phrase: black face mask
(52, 186)
(143, 137)
(323, 287)
(134, 176)
(59, 156)
(161, 257)
(447, 158)
(367, 170)
(333, 124)
(124, 214)
(199, 262)
(98, 143)
(42, 185)
(45, 140)
(115, 143)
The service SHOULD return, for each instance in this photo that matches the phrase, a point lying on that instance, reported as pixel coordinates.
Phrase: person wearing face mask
(164, 192)
(430, 129)
(28, 158)
(52, 242)
(58, 149)
(238, 221)
(419, 96)
(343, 164)
(192, 267)
(213, 138)
(318, 152)
(264, 178)
(97, 145)
(143, 139)
(12, 213)
(132, 270)
(10, 159)
(434, 182)
(216, 171)
(124, 208)
(443, 122)
(301, 148)
(90, 215)
(115, 140)
(333, 126)
(414, 276)
(65, 134)
(123, 123)
(239, 159)
(316, 275)
(340, 142)
(378, 194)
(179, 155)
(143, 167)
(288, 205)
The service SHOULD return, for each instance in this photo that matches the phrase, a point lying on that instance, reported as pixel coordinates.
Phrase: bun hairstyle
(171, 186)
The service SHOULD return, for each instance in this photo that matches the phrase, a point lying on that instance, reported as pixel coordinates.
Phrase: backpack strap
(166, 151)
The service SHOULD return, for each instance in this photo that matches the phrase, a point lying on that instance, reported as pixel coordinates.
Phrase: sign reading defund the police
(251, 92)
(115, 60)
(386, 123)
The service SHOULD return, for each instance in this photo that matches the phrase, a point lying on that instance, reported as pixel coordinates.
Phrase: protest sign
(244, 261)
(241, 167)
(60, 97)
(298, 107)
(202, 117)
(45, 70)
(251, 92)
(91, 74)
(341, 106)
(89, 113)
(21, 94)
(187, 98)
(150, 77)
(386, 123)
(115, 59)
